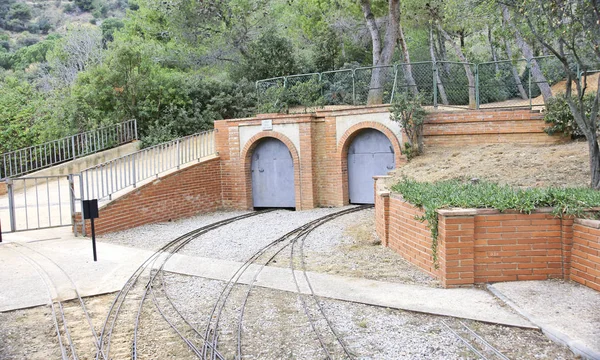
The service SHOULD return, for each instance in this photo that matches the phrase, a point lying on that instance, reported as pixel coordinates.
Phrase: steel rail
(226, 291)
(312, 293)
(484, 342)
(233, 281)
(39, 270)
(478, 338)
(80, 299)
(115, 308)
(185, 239)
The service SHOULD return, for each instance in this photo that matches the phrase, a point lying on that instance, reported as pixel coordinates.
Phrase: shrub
(410, 115)
(454, 193)
(560, 118)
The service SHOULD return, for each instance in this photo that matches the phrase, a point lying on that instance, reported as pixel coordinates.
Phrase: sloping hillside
(516, 165)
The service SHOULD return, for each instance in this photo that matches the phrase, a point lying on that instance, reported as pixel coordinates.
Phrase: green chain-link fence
(500, 84)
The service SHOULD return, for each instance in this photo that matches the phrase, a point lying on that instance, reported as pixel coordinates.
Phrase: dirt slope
(516, 165)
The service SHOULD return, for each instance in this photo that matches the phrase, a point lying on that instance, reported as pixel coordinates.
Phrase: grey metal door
(273, 175)
(370, 154)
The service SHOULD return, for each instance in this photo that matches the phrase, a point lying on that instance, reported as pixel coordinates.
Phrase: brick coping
(588, 222)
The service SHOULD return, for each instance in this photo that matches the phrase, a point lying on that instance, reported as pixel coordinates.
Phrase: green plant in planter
(482, 194)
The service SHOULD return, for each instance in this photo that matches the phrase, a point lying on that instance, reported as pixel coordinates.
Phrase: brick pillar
(566, 225)
(456, 247)
(307, 192)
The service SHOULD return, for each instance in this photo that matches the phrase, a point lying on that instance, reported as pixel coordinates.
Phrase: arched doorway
(371, 153)
(272, 169)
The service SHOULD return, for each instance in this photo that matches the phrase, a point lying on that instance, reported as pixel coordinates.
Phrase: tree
(535, 69)
(570, 30)
(382, 51)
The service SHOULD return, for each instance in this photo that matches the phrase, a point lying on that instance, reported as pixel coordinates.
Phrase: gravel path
(275, 327)
(274, 323)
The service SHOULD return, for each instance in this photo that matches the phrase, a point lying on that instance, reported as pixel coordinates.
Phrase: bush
(454, 193)
(559, 115)
(410, 115)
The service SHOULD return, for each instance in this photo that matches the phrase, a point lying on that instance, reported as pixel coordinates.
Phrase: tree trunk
(441, 90)
(536, 72)
(442, 52)
(382, 53)
(493, 49)
(594, 161)
(468, 71)
(407, 67)
(515, 73)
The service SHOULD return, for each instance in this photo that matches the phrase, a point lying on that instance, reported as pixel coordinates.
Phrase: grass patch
(486, 195)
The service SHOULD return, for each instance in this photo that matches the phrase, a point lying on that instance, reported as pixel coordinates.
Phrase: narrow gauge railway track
(123, 318)
(268, 253)
(66, 315)
(474, 342)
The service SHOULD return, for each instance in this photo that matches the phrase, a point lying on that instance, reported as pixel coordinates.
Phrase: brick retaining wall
(486, 127)
(485, 245)
(184, 193)
(585, 258)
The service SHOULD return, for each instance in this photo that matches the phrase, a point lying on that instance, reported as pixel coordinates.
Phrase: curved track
(123, 318)
(68, 316)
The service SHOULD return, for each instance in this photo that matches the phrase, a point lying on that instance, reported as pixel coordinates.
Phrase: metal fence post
(73, 147)
(529, 82)
(135, 128)
(353, 86)
(72, 202)
(83, 232)
(178, 156)
(395, 81)
(435, 89)
(11, 205)
(133, 176)
(477, 86)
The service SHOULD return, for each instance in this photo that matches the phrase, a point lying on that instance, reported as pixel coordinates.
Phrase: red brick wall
(585, 258)
(486, 127)
(484, 245)
(409, 237)
(512, 246)
(187, 192)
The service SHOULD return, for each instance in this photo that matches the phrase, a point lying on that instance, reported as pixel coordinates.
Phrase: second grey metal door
(370, 154)
(273, 175)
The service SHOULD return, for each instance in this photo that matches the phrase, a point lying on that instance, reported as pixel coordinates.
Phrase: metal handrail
(103, 180)
(26, 160)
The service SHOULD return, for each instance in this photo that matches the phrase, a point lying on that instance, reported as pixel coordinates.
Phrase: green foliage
(85, 5)
(273, 100)
(19, 11)
(408, 112)
(454, 193)
(305, 93)
(18, 110)
(269, 56)
(561, 120)
(109, 27)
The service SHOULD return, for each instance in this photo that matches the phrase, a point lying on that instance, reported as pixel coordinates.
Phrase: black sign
(90, 209)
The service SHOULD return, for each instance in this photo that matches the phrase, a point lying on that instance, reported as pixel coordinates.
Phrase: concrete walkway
(568, 313)
(22, 286)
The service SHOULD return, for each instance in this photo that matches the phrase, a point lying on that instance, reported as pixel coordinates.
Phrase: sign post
(90, 211)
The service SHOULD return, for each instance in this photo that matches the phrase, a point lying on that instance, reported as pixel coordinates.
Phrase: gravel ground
(345, 246)
(274, 324)
(276, 327)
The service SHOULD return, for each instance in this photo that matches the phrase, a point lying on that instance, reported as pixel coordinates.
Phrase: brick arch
(246, 157)
(348, 137)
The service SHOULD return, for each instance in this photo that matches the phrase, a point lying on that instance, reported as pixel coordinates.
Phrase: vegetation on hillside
(177, 66)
